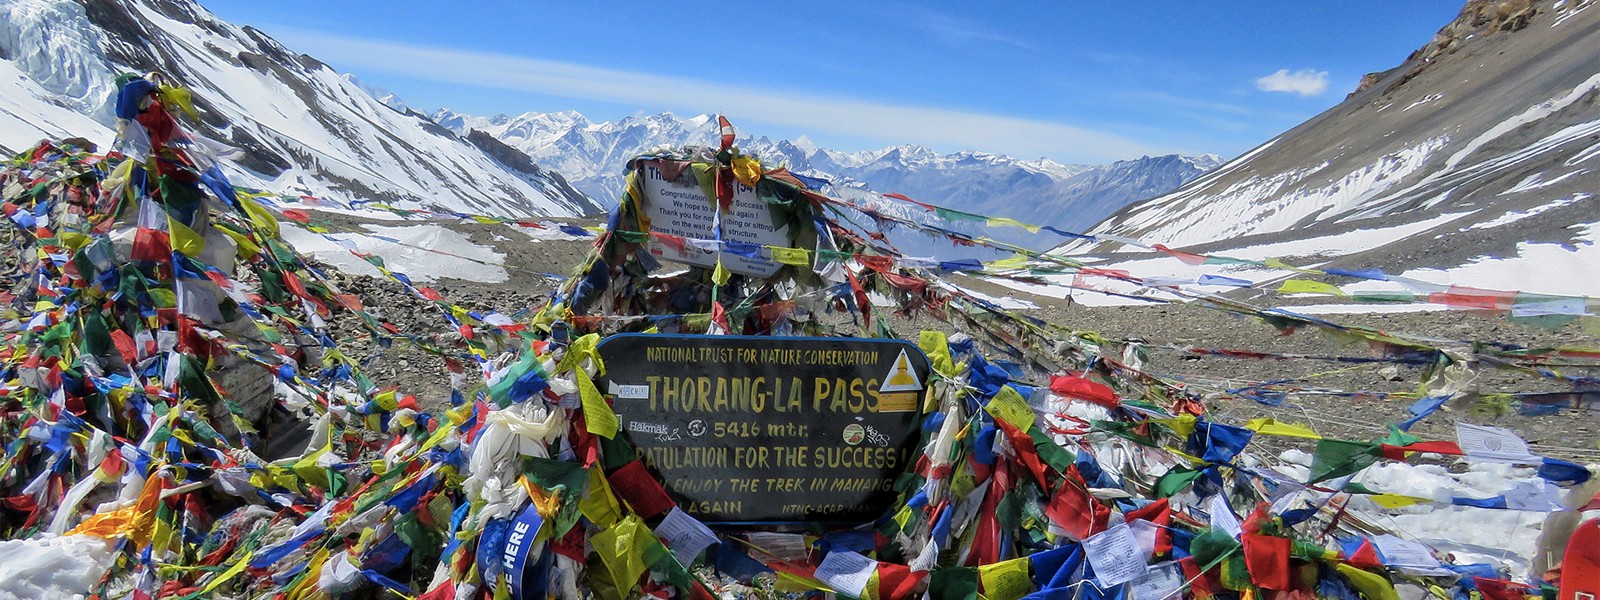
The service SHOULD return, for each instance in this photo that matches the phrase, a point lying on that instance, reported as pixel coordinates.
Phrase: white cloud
(1306, 82)
(817, 113)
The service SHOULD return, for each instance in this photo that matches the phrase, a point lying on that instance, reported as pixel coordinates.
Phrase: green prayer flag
(956, 583)
(567, 481)
(1050, 452)
(1212, 546)
(1397, 437)
(1337, 458)
(1174, 481)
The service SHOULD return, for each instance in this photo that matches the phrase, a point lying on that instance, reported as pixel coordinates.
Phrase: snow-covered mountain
(302, 127)
(1489, 134)
(593, 155)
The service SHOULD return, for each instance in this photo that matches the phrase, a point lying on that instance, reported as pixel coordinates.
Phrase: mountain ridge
(302, 128)
(593, 155)
(1500, 125)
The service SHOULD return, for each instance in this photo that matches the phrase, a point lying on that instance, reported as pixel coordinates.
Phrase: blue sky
(1074, 82)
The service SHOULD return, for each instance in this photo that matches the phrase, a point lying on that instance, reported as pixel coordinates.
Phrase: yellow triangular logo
(901, 377)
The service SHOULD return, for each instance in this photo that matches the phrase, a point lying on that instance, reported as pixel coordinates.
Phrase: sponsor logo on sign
(854, 434)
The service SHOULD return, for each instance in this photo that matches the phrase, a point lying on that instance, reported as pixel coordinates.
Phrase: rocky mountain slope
(593, 155)
(1490, 134)
(303, 128)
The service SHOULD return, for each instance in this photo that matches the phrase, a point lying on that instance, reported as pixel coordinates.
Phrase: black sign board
(770, 429)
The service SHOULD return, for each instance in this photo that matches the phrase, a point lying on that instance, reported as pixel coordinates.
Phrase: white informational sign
(679, 207)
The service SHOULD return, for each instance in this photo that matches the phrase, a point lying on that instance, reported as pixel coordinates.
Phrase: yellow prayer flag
(621, 549)
(1017, 261)
(247, 248)
(1395, 500)
(1007, 405)
(598, 505)
(799, 257)
(1372, 586)
(1182, 425)
(580, 349)
(747, 170)
(937, 347)
(721, 274)
(1273, 427)
(1277, 263)
(789, 582)
(598, 417)
(1006, 580)
(229, 574)
(1009, 222)
(1306, 286)
(172, 95)
(307, 587)
(73, 239)
(184, 239)
(266, 224)
(307, 468)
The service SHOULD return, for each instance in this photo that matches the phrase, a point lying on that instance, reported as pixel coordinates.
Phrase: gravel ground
(1165, 329)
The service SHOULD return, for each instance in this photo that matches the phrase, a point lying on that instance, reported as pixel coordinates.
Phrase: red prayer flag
(1160, 513)
(1187, 257)
(1073, 386)
(634, 484)
(1580, 566)
(150, 239)
(445, 591)
(1022, 443)
(1460, 296)
(1365, 557)
(1438, 447)
(726, 130)
(1203, 584)
(898, 582)
(1074, 510)
(1498, 589)
(1267, 558)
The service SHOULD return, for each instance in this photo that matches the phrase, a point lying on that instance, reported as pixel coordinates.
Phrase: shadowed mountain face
(301, 127)
(1494, 120)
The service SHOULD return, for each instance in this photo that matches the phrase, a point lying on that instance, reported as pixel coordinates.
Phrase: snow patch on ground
(1514, 216)
(1343, 243)
(1536, 268)
(1425, 99)
(1495, 537)
(61, 567)
(1536, 181)
(1168, 268)
(1533, 113)
(551, 232)
(1277, 202)
(1006, 302)
(423, 252)
(335, 207)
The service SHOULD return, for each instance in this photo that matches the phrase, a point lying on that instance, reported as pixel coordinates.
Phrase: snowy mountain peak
(804, 144)
(388, 98)
(1040, 190)
(303, 128)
